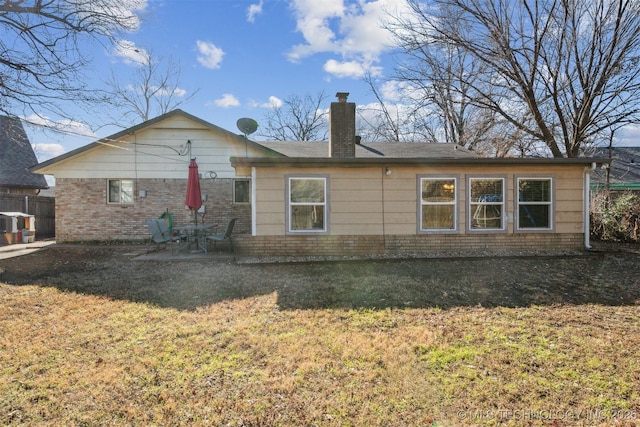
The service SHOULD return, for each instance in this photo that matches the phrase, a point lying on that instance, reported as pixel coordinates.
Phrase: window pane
(486, 216)
(126, 194)
(120, 191)
(437, 217)
(486, 190)
(438, 190)
(307, 190)
(307, 217)
(535, 190)
(241, 191)
(534, 216)
(486, 203)
(114, 191)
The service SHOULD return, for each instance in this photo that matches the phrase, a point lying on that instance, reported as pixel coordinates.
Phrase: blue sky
(245, 55)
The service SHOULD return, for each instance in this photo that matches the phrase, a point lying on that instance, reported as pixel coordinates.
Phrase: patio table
(193, 234)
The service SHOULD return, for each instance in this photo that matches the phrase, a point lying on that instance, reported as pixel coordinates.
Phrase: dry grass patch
(75, 359)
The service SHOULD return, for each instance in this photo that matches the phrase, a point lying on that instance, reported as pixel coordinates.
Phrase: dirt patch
(609, 277)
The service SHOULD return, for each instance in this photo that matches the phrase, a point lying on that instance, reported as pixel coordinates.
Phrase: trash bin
(27, 237)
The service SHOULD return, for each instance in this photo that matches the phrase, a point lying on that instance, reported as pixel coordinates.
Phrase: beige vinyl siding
(157, 152)
(270, 202)
(358, 205)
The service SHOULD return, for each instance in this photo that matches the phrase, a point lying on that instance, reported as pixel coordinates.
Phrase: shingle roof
(17, 156)
(371, 149)
(625, 165)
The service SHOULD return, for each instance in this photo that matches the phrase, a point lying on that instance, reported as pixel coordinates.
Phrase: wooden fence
(42, 208)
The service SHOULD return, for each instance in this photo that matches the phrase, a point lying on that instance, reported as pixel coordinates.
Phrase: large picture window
(307, 200)
(534, 203)
(120, 191)
(438, 203)
(486, 203)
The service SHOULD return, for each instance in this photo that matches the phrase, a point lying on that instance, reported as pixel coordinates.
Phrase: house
(358, 200)
(339, 197)
(18, 185)
(106, 190)
(16, 159)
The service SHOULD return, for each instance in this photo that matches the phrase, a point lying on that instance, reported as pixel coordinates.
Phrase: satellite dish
(247, 126)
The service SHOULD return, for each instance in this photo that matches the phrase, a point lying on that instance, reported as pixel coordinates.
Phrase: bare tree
(438, 103)
(559, 72)
(41, 59)
(153, 89)
(297, 119)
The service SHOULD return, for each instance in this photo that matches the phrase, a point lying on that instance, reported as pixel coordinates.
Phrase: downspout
(253, 201)
(383, 172)
(587, 205)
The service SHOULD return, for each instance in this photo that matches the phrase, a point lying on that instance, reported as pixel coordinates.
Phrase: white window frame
(120, 202)
(473, 207)
(422, 203)
(235, 201)
(290, 205)
(550, 203)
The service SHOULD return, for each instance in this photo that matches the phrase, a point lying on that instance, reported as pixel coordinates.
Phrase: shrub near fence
(615, 216)
(42, 208)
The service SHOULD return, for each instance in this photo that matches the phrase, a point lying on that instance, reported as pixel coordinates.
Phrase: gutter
(305, 162)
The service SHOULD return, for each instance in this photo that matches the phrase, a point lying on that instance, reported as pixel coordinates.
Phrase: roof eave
(414, 161)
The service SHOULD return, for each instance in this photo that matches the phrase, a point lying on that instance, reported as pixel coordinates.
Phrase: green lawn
(71, 358)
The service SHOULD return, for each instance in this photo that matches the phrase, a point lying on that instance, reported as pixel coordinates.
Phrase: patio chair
(222, 236)
(159, 237)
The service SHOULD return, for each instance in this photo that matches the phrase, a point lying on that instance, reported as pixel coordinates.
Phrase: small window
(307, 199)
(241, 191)
(120, 191)
(534, 203)
(438, 204)
(486, 203)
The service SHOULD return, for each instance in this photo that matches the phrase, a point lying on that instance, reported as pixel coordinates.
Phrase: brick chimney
(342, 127)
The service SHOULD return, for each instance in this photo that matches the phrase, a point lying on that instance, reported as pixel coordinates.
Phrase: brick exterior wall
(263, 246)
(82, 212)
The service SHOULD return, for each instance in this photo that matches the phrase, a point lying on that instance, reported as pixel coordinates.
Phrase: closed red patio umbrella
(194, 198)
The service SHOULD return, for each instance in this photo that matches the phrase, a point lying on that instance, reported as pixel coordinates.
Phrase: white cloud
(313, 20)
(353, 69)
(254, 10)
(394, 90)
(273, 102)
(210, 56)
(227, 101)
(179, 92)
(67, 126)
(48, 151)
(351, 28)
(628, 136)
(131, 54)
(125, 14)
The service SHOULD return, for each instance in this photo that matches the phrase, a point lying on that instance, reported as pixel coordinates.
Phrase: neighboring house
(623, 174)
(18, 185)
(339, 197)
(355, 199)
(16, 159)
